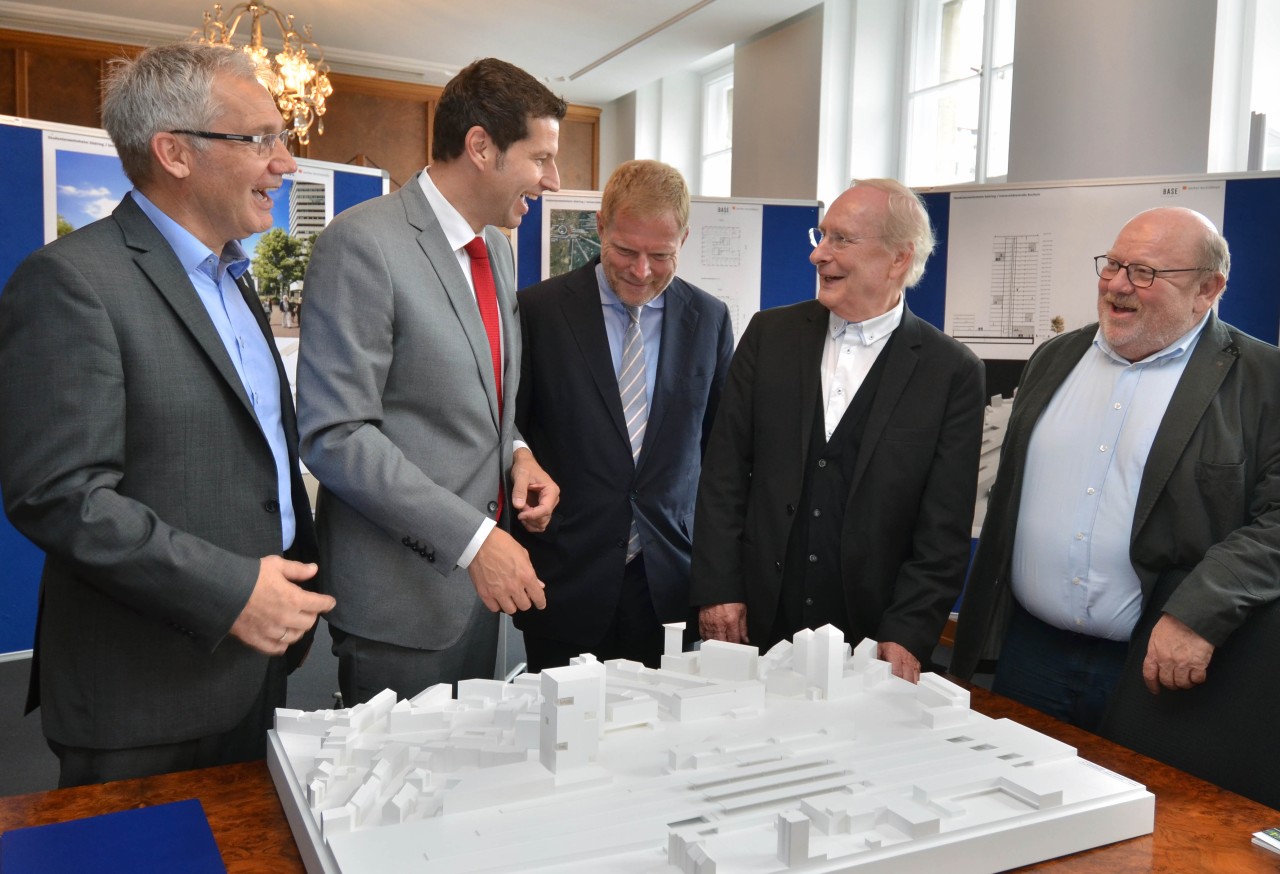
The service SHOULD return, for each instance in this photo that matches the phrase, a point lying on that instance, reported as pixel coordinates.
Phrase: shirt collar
(870, 331)
(610, 299)
(457, 230)
(192, 254)
(1176, 349)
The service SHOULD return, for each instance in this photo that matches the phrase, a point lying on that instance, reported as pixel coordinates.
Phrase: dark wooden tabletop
(1198, 827)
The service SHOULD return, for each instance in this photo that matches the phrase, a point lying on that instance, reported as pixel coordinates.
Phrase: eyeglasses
(839, 242)
(1140, 275)
(266, 143)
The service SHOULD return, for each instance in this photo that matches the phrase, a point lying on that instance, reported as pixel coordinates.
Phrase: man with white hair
(839, 481)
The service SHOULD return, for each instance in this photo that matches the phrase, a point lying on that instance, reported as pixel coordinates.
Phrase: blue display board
(42, 176)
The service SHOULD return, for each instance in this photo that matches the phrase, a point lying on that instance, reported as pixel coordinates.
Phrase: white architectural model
(808, 758)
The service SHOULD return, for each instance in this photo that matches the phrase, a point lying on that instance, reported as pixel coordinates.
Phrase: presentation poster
(1020, 261)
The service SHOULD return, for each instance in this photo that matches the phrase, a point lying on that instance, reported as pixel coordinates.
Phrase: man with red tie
(407, 377)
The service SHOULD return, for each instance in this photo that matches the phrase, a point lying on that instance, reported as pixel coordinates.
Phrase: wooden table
(1198, 827)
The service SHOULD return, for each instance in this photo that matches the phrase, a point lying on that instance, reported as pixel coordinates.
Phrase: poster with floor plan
(1020, 260)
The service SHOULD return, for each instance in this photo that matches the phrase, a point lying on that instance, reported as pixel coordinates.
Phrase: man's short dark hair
(498, 96)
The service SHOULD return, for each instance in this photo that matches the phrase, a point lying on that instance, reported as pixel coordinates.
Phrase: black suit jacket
(570, 412)
(905, 538)
(1205, 544)
(131, 454)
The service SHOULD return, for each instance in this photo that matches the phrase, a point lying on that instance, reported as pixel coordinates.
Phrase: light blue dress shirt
(616, 320)
(1071, 565)
(214, 277)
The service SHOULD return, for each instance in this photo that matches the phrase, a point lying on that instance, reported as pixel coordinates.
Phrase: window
(717, 132)
(959, 91)
(1265, 98)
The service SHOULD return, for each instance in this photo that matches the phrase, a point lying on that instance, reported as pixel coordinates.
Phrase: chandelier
(298, 84)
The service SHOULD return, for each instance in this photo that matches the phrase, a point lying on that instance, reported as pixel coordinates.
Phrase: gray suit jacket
(399, 417)
(130, 453)
(1205, 544)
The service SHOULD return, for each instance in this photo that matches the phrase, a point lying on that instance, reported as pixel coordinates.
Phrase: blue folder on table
(164, 838)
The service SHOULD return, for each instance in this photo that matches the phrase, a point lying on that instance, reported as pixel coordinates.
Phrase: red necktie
(487, 299)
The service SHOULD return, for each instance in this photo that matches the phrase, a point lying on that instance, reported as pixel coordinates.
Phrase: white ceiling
(589, 52)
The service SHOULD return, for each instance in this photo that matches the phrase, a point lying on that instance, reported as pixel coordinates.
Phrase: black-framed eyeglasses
(266, 143)
(1140, 275)
(839, 242)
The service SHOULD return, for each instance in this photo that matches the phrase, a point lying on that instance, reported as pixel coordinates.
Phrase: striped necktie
(635, 402)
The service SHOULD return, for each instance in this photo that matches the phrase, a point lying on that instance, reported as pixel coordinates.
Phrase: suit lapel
(1213, 358)
(679, 325)
(812, 336)
(904, 355)
(443, 261)
(584, 315)
(156, 260)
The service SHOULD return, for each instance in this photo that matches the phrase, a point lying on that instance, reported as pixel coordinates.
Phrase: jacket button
(822, 462)
(493, 506)
(777, 566)
(431, 555)
(622, 543)
(406, 541)
(271, 506)
(790, 509)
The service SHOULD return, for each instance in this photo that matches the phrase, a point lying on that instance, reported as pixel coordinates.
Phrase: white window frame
(985, 76)
(712, 84)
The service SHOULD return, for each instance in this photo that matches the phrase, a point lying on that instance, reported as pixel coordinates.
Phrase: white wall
(864, 43)
(777, 80)
(1107, 89)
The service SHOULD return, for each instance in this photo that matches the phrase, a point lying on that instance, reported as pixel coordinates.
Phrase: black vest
(812, 586)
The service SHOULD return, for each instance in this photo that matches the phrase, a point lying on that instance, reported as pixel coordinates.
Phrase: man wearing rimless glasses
(1128, 574)
(148, 441)
(839, 480)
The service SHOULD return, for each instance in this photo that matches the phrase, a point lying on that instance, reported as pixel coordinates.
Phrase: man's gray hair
(906, 221)
(165, 88)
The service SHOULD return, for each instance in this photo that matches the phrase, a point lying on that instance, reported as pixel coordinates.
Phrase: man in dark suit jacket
(1199, 543)
(406, 397)
(840, 478)
(148, 442)
(608, 593)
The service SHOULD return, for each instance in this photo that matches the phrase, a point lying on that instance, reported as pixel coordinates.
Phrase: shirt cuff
(518, 444)
(477, 541)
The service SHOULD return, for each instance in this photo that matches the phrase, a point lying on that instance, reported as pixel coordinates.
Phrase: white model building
(808, 758)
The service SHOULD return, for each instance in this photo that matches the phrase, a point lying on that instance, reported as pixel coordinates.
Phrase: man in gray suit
(148, 441)
(410, 358)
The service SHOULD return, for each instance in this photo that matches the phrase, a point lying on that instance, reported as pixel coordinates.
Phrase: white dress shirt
(851, 349)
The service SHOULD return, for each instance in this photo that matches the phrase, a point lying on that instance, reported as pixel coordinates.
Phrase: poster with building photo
(83, 181)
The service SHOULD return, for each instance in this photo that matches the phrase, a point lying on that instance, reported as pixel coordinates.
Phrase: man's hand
(503, 577)
(727, 622)
(279, 611)
(533, 493)
(904, 664)
(1177, 657)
